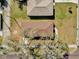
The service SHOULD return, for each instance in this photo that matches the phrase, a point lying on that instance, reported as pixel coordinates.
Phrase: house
(40, 7)
(38, 28)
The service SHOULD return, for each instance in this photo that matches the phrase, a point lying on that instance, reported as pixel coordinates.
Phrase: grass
(1, 39)
(66, 22)
(72, 50)
(16, 12)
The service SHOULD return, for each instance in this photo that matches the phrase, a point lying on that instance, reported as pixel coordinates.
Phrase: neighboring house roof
(40, 7)
(0, 8)
(38, 28)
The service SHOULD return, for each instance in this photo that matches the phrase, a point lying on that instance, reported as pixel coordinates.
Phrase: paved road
(8, 57)
(75, 55)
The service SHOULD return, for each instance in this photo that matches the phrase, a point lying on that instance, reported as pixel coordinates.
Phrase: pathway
(6, 31)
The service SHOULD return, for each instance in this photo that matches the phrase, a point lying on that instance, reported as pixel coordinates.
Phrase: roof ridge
(42, 4)
(48, 8)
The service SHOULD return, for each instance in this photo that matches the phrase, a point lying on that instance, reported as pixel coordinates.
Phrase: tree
(2, 2)
(52, 50)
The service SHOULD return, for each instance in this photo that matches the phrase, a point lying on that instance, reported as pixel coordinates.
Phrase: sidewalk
(73, 1)
(72, 46)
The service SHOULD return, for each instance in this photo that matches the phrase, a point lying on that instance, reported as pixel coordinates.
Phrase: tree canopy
(2, 2)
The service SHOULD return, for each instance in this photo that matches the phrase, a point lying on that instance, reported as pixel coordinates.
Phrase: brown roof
(38, 28)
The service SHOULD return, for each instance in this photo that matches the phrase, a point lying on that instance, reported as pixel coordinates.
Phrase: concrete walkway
(78, 25)
(6, 22)
(73, 1)
(72, 46)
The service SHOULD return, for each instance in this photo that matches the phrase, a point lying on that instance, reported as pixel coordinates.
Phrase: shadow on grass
(21, 3)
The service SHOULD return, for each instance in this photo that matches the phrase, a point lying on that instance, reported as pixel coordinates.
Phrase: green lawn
(66, 22)
(16, 12)
(1, 39)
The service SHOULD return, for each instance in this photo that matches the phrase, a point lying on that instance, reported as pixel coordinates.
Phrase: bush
(1, 40)
(52, 50)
